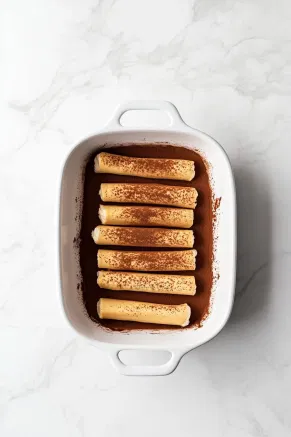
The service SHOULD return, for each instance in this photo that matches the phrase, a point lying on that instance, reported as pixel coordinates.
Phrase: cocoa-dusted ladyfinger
(144, 312)
(157, 194)
(146, 216)
(147, 282)
(142, 237)
(157, 261)
(157, 168)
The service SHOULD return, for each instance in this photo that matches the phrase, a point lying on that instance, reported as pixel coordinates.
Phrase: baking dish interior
(222, 183)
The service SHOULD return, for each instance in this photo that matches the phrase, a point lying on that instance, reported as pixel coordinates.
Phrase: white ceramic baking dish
(177, 342)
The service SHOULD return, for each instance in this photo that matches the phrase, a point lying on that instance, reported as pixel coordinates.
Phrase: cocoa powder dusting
(147, 215)
(156, 282)
(151, 166)
(154, 261)
(203, 231)
(217, 203)
(146, 237)
(216, 206)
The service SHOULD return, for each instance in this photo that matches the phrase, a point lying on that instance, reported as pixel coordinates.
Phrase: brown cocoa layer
(202, 230)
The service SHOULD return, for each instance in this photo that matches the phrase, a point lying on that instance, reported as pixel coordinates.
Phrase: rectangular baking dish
(177, 342)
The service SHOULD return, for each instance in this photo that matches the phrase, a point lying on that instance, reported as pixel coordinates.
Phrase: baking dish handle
(147, 370)
(158, 105)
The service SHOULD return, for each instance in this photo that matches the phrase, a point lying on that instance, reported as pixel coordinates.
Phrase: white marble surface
(65, 64)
